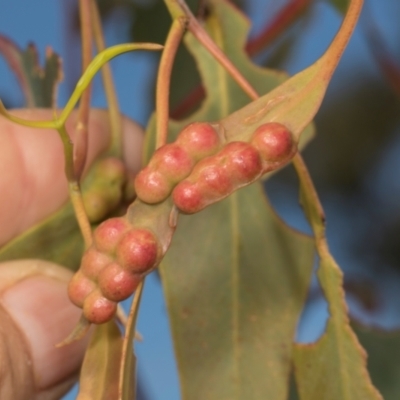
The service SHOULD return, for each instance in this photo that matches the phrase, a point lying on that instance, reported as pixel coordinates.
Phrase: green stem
(74, 188)
(75, 195)
(82, 84)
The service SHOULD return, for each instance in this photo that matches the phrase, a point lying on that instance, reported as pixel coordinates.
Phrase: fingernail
(40, 307)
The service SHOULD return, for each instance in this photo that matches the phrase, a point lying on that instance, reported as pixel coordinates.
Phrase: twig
(112, 101)
(81, 137)
(82, 84)
(164, 77)
(125, 377)
(74, 188)
(285, 17)
(178, 8)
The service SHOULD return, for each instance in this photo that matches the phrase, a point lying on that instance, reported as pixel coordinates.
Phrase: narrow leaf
(56, 238)
(100, 370)
(296, 101)
(335, 366)
(42, 81)
(223, 94)
(235, 277)
(38, 84)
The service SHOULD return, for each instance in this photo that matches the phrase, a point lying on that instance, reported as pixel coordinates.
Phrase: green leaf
(235, 280)
(295, 102)
(38, 84)
(223, 95)
(383, 359)
(56, 238)
(334, 367)
(100, 370)
(42, 81)
(235, 277)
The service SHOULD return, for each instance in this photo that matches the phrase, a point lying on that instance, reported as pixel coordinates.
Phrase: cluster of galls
(199, 171)
(106, 187)
(112, 268)
(196, 170)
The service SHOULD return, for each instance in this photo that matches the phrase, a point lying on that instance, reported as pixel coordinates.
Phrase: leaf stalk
(174, 37)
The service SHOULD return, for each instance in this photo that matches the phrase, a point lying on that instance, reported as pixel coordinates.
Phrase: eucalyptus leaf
(235, 280)
(39, 84)
(100, 370)
(334, 367)
(223, 94)
(383, 360)
(235, 277)
(295, 102)
(56, 238)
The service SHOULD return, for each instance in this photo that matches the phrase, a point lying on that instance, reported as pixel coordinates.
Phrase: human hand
(35, 312)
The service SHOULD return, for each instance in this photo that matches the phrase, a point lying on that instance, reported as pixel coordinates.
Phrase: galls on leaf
(274, 142)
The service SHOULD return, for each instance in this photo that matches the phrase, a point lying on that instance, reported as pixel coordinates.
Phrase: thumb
(35, 315)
